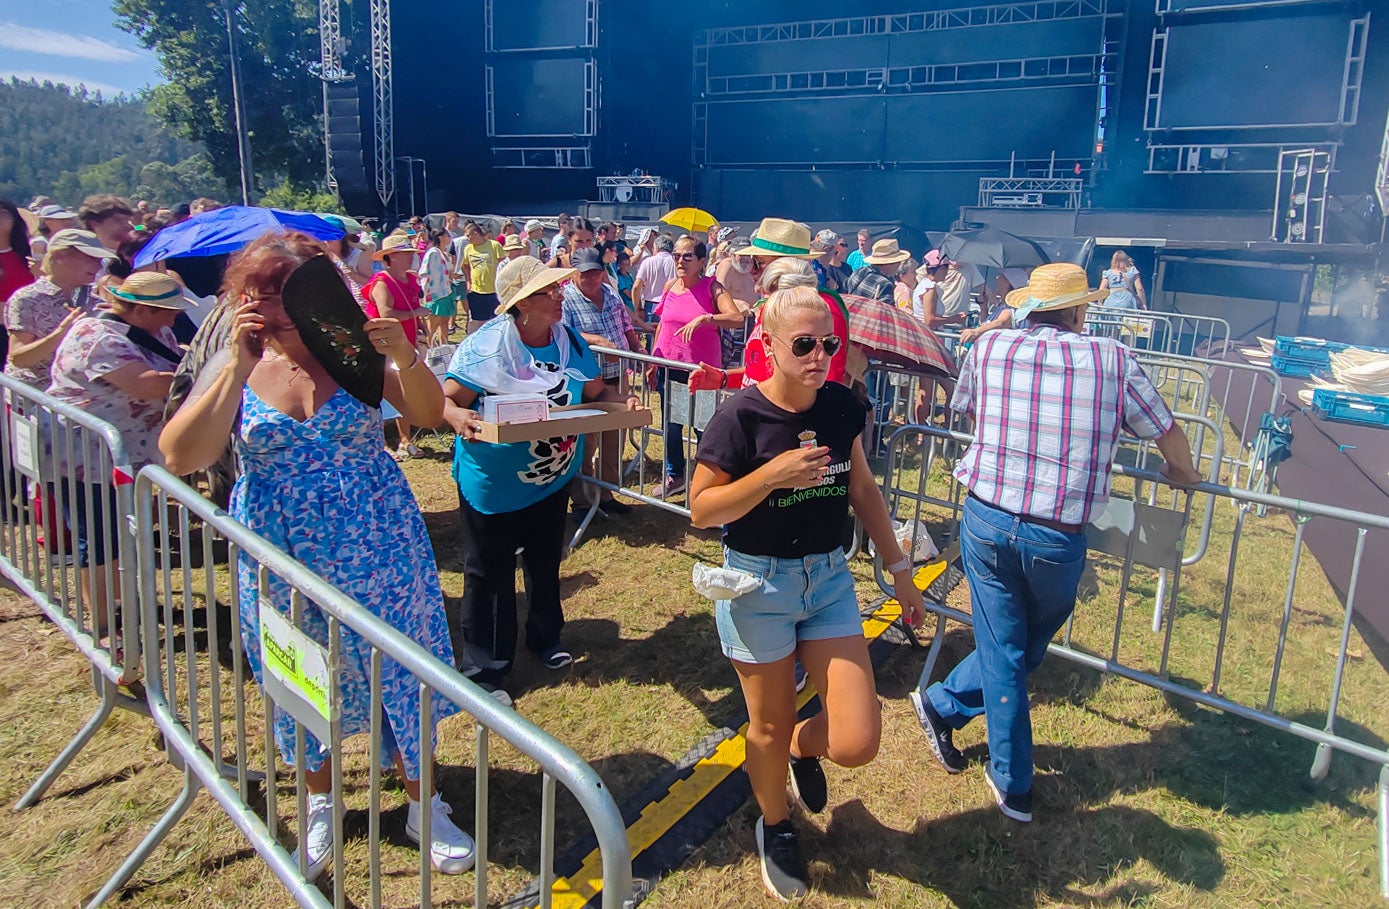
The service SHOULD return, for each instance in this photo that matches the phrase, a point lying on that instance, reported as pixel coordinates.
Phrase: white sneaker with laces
(450, 849)
(318, 835)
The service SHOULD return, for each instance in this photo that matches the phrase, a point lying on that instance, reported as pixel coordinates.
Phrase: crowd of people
(200, 382)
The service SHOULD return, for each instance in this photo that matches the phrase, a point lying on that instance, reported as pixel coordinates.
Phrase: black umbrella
(333, 328)
(992, 248)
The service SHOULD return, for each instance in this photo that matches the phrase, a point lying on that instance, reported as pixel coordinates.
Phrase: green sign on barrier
(296, 661)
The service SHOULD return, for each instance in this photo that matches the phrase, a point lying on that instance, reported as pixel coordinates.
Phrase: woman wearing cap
(117, 367)
(692, 310)
(438, 292)
(512, 497)
(39, 316)
(316, 485)
(778, 468)
(394, 293)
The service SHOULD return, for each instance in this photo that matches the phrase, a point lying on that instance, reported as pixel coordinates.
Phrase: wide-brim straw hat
(516, 241)
(395, 243)
(887, 252)
(150, 288)
(778, 237)
(527, 275)
(1058, 285)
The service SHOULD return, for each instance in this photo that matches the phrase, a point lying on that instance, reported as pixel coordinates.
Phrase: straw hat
(1058, 285)
(150, 288)
(777, 237)
(887, 252)
(527, 275)
(395, 243)
(515, 241)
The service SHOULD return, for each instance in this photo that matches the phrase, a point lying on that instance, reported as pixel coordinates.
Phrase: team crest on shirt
(550, 458)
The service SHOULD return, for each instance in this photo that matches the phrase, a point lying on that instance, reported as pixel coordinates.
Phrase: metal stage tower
(330, 48)
(382, 99)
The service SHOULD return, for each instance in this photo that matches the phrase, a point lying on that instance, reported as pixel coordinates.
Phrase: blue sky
(73, 42)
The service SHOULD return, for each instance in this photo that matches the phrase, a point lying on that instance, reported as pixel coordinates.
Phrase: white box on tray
(520, 408)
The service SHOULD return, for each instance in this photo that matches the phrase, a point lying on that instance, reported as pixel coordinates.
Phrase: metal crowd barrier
(1160, 332)
(656, 383)
(1144, 529)
(205, 711)
(55, 453)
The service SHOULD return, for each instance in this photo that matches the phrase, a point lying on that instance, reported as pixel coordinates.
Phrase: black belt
(1031, 519)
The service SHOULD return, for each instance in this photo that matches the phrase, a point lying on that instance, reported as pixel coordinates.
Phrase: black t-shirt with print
(748, 431)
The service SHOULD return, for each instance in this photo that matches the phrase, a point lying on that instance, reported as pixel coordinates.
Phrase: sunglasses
(683, 257)
(804, 346)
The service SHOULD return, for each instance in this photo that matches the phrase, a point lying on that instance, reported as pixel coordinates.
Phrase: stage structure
(541, 74)
(891, 109)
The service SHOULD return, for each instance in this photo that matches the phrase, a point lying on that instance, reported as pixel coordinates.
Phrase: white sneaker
(451, 850)
(318, 835)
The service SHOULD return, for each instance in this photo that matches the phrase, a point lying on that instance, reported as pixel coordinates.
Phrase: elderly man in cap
(1049, 403)
(596, 311)
(875, 279)
(38, 316)
(535, 233)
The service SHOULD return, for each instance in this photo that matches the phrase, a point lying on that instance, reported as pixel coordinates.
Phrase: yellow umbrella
(691, 220)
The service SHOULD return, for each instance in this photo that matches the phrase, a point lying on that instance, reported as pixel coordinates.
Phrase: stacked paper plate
(1363, 371)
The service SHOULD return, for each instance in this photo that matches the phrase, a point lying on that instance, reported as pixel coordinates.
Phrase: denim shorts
(807, 599)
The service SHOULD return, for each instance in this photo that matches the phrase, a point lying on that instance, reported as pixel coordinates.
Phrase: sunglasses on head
(804, 346)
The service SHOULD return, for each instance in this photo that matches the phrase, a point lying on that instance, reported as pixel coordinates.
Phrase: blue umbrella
(228, 230)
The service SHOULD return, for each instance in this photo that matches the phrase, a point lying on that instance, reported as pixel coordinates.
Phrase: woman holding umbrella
(314, 486)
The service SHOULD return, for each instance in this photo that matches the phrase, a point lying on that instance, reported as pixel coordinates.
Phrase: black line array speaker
(345, 137)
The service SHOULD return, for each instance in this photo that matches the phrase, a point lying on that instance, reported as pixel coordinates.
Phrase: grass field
(1142, 800)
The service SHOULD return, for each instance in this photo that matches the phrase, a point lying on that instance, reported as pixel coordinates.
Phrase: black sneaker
(783, 869)
(556, 658)
(808, 784)
(614, 507)
(801, 677)
(938, 734)
(1017, 807)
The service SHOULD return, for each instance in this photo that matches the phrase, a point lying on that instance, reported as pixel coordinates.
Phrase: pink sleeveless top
(676, 310)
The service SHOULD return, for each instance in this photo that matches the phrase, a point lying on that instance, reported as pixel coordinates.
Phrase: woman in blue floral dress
(317, 484)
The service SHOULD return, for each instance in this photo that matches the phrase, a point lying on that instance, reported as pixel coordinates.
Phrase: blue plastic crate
(1291, 366)
(1349, 407)
(1311, 349)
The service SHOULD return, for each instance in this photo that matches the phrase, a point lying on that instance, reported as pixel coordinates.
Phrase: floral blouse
(92, 349)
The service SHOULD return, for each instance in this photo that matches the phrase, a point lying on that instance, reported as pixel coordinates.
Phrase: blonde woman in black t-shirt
(778, 467)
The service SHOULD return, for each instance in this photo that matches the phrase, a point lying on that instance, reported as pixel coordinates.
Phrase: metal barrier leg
(932, 655)
(110, 697)
(1384, 831)
(151, 841)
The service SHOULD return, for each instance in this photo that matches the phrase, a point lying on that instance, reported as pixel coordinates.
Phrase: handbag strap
(143, 339)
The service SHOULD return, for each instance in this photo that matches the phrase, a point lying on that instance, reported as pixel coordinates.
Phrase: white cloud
(61, 44)
(105, 88)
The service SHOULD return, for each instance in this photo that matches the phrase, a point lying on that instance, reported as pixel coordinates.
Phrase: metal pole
(424, 175)
(243, 141)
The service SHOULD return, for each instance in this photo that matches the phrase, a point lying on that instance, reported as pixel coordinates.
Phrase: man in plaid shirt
(1049, 403)
(593, 308)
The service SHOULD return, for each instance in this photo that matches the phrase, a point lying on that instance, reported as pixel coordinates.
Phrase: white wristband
(895, 567)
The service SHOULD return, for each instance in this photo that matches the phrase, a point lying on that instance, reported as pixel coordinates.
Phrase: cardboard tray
(614, 416)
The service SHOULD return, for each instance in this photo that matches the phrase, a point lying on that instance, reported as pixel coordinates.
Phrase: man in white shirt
(654, 273)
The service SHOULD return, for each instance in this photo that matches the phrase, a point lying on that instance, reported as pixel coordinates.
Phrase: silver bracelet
(413, 363)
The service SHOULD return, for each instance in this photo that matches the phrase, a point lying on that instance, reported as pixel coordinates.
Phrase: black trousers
(488, 615)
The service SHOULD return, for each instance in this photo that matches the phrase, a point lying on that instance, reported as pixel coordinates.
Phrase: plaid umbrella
(895, 335)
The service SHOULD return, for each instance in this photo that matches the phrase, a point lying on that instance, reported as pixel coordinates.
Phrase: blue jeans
(1022, 586)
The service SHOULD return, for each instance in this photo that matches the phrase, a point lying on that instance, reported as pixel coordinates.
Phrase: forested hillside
(68, 143)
